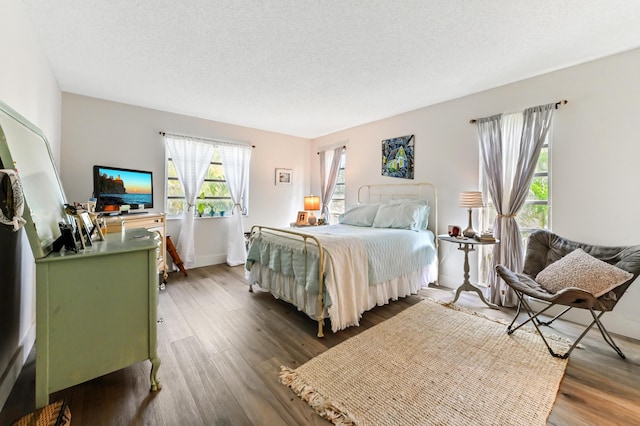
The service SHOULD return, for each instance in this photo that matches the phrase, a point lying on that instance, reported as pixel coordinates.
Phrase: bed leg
(320, 324)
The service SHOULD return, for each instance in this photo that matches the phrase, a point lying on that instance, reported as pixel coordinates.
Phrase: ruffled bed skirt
(284, 287)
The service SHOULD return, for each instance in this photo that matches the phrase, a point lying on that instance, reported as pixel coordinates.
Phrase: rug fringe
(323, 407)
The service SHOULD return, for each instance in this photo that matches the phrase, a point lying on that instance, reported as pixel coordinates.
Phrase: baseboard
(203, 261)
(448, 281)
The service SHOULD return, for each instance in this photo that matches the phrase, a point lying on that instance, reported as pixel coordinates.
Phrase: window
(337, 203)
(214, 198)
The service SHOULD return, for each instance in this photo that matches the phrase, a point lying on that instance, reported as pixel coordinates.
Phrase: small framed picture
(97, 228)
(283, 176)
(84, 225)
(454, 231)
(302, 218)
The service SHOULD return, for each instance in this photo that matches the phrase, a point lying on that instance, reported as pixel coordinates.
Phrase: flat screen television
(115, 186)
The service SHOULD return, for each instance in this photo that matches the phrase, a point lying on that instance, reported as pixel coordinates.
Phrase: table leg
(466, 284)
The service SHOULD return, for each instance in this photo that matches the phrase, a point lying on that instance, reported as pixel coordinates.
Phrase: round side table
(467, 245)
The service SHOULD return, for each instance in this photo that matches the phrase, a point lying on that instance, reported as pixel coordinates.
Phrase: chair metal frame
(535, 320)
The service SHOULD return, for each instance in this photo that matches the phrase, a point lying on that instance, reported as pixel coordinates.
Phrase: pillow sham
(402, 216)
(414, 201)
(360, 215)
(581, 270)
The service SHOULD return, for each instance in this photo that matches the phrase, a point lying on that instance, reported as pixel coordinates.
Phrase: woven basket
(56, 414)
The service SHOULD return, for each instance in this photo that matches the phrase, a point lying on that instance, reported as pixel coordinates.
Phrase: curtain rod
(558, 105)
(344, 148)
(205, 139)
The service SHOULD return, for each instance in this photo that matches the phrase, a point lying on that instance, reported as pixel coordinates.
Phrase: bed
(382, 249)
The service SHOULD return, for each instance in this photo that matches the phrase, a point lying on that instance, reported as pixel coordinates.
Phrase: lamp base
(312, 219)
(469, 232)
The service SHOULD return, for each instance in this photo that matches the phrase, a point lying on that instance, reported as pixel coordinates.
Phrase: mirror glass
(23, 147)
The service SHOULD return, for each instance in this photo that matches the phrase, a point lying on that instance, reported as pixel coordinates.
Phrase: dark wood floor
(222, 347)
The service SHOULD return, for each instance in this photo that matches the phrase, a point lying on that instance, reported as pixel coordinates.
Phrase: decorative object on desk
(485, 236)
(397, 157)
(85, 228)
(90, 226)
(283, 176)
(67, 239)
(454, 231)
(70, 210)
(312, 203)
(302, 218)
(470, 200)
(91, 205)
(395, 373)
(99, 226)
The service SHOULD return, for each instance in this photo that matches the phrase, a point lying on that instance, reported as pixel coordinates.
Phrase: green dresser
(96, 311)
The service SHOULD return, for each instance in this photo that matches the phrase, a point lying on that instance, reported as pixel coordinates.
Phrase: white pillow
(360, 215)
(414, 201)
(401, 216)
(581, 270)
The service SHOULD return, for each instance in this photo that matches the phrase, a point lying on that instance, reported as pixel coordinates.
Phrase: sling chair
(562, 272)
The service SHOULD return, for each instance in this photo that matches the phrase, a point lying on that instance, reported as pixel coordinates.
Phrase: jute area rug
(432, 365)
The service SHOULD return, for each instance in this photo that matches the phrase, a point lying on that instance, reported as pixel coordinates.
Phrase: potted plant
(200, 205)
(220, 207)
(212, 210)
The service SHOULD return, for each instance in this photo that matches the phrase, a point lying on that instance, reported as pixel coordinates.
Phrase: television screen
(114, 187)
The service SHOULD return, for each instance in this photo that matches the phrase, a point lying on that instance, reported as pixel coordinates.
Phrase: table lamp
(470, 200)
(312, 203)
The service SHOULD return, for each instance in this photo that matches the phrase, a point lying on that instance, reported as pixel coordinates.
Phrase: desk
(151, 221)
(468, 245)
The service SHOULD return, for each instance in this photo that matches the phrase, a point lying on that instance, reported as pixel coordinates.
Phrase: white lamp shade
(471, 199)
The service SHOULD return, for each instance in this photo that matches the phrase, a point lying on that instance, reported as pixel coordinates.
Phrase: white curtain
(191, 160)
(329, 168)
(235, 162)
(510, 145)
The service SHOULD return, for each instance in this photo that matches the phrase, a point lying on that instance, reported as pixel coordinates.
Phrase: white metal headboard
(412, 191)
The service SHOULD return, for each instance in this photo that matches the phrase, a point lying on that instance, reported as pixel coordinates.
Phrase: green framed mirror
(23, 147)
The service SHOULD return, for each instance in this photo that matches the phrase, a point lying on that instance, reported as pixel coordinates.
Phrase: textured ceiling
(311, 67)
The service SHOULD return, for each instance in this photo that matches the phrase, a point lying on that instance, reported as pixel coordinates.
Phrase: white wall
(596, 145)
(106, 133)
(29, 87)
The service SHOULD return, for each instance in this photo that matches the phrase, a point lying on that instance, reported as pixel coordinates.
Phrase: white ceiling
(311, 67)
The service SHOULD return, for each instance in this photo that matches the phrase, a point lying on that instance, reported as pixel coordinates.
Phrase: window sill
(203, 217)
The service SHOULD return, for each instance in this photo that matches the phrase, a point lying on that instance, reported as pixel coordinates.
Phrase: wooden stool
(175, 256)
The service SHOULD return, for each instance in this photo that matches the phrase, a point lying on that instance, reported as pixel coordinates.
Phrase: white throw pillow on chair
(581, 270)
